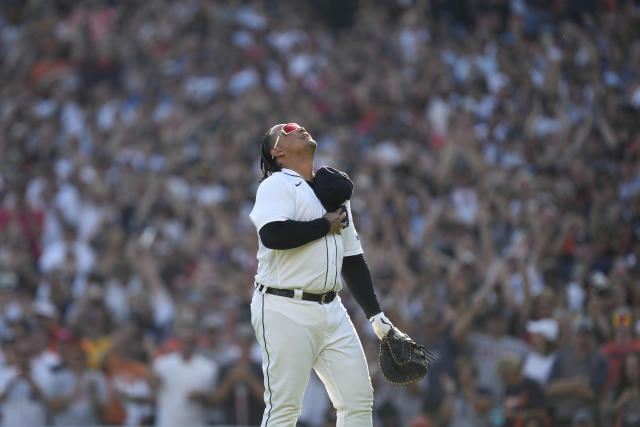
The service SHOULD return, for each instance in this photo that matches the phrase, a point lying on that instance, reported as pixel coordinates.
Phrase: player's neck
(305, 169)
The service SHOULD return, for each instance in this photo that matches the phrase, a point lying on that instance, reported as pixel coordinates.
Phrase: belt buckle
(322, 298)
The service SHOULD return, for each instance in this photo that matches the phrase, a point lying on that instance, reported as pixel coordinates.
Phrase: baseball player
(296, 312)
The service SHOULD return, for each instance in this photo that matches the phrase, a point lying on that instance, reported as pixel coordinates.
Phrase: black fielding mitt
(402, 360)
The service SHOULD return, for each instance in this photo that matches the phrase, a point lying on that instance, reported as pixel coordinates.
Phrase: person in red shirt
(24, 219)
(626, 393)
(624, 342)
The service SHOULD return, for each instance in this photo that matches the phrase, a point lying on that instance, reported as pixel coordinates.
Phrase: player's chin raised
(310, 142)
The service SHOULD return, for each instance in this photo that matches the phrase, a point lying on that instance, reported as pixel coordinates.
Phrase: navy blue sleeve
(291, 234)
(536, 397)
(483, 391)
(358, 277)
(555, 369)
(599, 374)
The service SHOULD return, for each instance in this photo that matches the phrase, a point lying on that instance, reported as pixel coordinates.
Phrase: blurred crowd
(495, 151)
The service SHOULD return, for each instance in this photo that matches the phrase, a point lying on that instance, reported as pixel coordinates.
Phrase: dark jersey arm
(358, 277)
(291, 234)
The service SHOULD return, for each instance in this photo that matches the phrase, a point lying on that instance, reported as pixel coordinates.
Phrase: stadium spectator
(623, 343)
(466, 403)
(435, 336)
(488, 348)
(577, 377)
(77, 394)
(523, 397)
(43, 359)
(183, 382)
(22, 400)
(539, 360)
(92, 322)
(626, 393)
(241, 387)
(127, 369)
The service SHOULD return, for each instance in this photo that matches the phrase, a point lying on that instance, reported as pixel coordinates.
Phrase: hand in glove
(381, 325)
(401, 359)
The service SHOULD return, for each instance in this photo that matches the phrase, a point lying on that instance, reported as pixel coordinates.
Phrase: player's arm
(290, 234)
(358, 278)
(273, 212)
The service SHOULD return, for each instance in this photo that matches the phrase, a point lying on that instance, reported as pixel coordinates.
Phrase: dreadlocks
(268, 163)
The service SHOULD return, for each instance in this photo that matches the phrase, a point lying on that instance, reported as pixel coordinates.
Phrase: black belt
(325, 298)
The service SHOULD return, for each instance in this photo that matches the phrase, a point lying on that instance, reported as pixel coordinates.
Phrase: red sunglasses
(286, 130)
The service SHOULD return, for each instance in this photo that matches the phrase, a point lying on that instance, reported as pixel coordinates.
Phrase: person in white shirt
(44, 360)
(306, 243)
(70, 249)
(183, 379)
(539, 360)
(22, 401)
(77, 395)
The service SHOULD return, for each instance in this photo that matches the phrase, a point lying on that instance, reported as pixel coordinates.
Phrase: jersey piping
(335, 277)
(264, 338)
(326, 273)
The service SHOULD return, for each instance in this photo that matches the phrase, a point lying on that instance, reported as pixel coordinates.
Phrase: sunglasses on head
(286, 130)
(621, 319)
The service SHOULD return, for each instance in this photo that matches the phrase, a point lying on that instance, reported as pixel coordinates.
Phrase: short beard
(311, 148)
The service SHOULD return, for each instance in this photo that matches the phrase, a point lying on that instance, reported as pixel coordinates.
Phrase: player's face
(291, 136)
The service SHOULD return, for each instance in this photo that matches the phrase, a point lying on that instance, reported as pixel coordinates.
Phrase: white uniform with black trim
(296, 335)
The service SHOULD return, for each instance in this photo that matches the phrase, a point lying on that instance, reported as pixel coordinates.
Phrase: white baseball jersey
(313, 267)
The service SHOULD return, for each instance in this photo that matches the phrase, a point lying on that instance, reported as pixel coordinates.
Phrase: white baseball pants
(296, 336)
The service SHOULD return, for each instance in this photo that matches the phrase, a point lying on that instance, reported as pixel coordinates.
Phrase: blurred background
(494, 146)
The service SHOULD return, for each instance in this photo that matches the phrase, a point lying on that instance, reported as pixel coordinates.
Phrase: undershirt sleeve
(358, 277)
(290, 234)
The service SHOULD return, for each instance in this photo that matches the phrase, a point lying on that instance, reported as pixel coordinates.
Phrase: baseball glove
(402, 360)
(332, 187)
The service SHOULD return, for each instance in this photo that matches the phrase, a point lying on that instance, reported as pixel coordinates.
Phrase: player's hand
(337, 219)
(381, 325)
